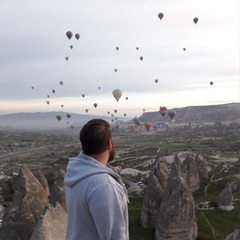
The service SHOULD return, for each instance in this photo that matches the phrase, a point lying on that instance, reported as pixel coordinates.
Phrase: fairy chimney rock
(176, 218)
(225, 199)
(29, 201)
(153, 195)
(202, 168)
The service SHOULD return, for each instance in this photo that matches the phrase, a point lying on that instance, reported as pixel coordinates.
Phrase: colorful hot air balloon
(163, 110)
(171, 113)
(77, 36)
(69, 34)
(61, 83)
(148, 126)
(59, 117)
(195, 20)
(95, 105)
(117, 93)
(160, 15)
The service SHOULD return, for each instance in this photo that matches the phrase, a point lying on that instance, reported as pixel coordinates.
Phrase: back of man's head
(95, 136)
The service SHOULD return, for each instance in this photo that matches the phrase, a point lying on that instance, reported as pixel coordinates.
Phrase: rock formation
(52, 225)
(202, 168)
(225, 199)
(153, 195)
(57, 190)
(190, 173)
(29, 201)
(41, 178)
(176, 218)
(234, 236)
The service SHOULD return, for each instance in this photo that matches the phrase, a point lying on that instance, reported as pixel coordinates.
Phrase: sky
(34, 46)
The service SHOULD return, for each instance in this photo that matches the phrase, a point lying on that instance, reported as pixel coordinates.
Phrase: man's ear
(109, 147)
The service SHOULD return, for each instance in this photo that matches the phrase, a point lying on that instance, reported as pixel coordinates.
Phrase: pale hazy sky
(34, 46)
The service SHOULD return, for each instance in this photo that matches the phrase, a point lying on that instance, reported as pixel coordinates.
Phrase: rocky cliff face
(234, 236)
(190, 173)
(153, 195)
(176, 218)
(225, 199)
(27, 206)
(52, 225)
(26, 210)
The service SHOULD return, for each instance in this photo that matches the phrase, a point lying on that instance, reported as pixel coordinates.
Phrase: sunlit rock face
(202, 168)
(234, 236)
(153, 194)
(29, 201)
(225, 199)
(41, 178)
(57, 190)
(52, 224)
(176, 218)
(190, 173)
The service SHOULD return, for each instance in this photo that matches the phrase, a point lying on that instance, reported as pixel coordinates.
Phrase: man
(95, 195)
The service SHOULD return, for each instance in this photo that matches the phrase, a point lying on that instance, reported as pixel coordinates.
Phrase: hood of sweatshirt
(84, 166)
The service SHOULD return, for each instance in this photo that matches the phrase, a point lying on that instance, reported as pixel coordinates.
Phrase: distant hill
(40, 120)
(198, 114)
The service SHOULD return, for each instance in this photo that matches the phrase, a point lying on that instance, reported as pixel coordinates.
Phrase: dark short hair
(95, 136)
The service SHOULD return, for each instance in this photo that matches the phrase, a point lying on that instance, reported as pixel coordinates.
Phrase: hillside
(40, 120)
(198, 114)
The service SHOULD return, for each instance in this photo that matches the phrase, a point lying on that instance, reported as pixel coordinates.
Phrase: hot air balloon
(124, 114)
(71, 46)
(141, 58)
(68, 115)
(95, 105)
(108, 112)
(126, 98)
(53, 91)
(32, 87)
(144, 110)
(48, 102)
(195, 20)
(71, 127)
(67, 58)
(184, 49)
(112, 115)
(69, 34)
(99, 87)
(156, 80)
(86, 110)
(115, 110)
(148, 126)
(171, 113)
(163, 110)
(77, 36)
(137, 48)
(155, 127)
(117, 93)
(136, 121)
(117, 48)
(83, 95)
(59, 117)
(112, 120)
(62, 106)
(211, 83)
(115, 70)
(160, 15)
(48, 96)
(61, 83)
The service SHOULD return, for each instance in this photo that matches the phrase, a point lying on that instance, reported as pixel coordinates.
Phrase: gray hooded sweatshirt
(96, 201)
